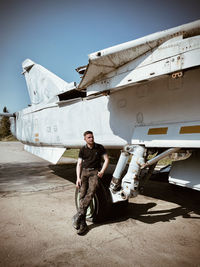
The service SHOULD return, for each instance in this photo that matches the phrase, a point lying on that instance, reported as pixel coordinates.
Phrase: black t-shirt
(92, 156)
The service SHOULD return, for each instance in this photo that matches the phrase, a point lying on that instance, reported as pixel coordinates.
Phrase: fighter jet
(141, 97)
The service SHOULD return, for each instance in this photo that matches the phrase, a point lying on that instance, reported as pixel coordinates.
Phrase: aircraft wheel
(99, 206)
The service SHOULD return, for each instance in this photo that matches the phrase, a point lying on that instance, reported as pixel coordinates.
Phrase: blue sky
(60, 34)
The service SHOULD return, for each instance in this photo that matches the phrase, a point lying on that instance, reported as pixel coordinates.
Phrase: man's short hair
(87, 132)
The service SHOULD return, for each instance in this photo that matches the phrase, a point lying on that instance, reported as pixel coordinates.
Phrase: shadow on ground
(34, 176)
(186, 199)
(157, 188)
(65, 171)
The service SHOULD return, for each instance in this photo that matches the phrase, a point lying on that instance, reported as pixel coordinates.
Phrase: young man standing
(88, 171)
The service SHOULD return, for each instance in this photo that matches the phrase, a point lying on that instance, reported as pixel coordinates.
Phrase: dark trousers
(89, 183)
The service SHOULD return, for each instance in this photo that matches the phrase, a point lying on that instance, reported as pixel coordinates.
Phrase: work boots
(83, 226)
(77, 220)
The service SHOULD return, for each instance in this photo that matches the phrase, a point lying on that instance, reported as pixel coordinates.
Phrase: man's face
(89, 138)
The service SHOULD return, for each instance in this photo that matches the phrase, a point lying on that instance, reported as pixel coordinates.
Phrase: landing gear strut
(130, 182)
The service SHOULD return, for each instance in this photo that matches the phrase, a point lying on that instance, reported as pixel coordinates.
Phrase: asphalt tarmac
(158, 228)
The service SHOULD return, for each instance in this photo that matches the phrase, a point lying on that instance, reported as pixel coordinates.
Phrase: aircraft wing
(109, 59)
(52, 154)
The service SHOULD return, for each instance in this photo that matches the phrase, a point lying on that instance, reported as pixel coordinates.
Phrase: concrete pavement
(158, 228)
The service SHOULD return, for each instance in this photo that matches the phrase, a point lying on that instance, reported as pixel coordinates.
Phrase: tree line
(4, 125)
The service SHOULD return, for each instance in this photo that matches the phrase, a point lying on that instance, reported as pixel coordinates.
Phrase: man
(88, 171)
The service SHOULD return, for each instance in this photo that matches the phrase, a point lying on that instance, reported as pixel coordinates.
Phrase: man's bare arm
(78, 172)
(105, 165)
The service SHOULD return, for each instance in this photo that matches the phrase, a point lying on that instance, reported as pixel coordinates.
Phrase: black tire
(100, 205)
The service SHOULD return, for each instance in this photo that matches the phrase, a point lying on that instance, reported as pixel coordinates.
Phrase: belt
(90, 169)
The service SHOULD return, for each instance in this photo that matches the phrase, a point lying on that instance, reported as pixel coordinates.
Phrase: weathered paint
(144, 92)
(103, 62)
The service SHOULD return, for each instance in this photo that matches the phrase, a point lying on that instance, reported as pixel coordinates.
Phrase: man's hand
(100, 174)
(78, 182)
(104, 167)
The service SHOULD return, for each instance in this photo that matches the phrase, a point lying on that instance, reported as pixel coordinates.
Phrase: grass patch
(8, 138)
(71, 153)
(164, 162)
